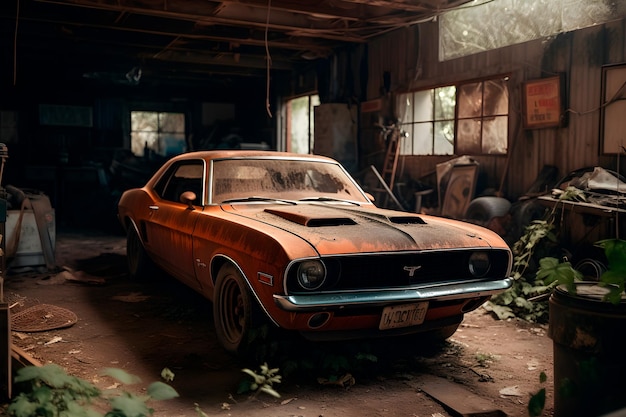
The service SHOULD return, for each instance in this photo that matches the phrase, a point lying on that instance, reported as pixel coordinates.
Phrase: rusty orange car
(293, 241)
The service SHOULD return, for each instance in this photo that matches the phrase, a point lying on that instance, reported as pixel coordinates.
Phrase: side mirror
(188, 197)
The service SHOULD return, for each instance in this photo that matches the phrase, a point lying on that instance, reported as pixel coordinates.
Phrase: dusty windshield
(281, 179)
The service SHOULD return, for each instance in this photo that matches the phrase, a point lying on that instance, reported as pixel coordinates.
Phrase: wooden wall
(410, 56)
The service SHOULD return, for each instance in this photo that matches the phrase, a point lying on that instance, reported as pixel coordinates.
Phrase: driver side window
(180, 178)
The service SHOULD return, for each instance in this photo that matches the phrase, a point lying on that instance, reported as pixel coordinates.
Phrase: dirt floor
(488, 368)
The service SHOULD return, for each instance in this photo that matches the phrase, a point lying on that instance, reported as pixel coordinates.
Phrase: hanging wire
(17, 15)
(269, 60)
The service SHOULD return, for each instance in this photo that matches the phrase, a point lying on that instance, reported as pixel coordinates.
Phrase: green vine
(539, 243)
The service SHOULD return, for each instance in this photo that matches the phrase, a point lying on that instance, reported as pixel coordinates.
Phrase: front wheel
(140, 266)
(232, 309)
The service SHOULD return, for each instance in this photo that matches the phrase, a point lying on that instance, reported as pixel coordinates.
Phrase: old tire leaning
(483, 209)
(140, 266)
(232, 309)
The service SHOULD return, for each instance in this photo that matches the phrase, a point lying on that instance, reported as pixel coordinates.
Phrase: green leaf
(130, 405)
(537, 403)
(573, 194)
(503, 312)
(259, 379)
(161, 391)
(563, 273)
(367, 356)
(167, 374)
(615, 276)
(615, 251)
(121, 375)
(75, 409)
(244, 386)
(21, 406)
(268, 390)
(543, 377)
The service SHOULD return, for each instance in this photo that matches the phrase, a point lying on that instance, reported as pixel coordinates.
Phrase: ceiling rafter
(198, 37)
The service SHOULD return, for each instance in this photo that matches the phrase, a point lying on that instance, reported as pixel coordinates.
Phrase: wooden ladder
(391, 159)
(390, 166)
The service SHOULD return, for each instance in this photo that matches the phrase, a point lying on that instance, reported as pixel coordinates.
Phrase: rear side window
(181, 177)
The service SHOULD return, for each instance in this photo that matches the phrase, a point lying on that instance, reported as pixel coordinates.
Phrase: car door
(171, 222)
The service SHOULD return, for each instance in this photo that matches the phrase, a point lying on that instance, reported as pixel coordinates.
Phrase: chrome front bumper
(341, 300)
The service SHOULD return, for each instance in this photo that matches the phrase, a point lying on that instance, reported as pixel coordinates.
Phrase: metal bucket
(589, 341)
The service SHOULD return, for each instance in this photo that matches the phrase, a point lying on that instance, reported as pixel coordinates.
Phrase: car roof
(236, 153)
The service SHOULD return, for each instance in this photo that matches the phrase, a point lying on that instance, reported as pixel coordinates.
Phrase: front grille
(399, 270)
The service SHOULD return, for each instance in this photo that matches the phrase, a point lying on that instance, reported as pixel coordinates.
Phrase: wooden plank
(5, 356)
(459, 400)
(22, 358)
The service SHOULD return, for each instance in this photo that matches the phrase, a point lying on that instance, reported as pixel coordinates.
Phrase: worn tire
(232, 310)
(140, 266)
(483, 209)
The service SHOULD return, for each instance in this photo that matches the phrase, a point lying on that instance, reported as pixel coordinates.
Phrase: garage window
(161, 133)
(466, 118)
(300, 123)
(484, 25)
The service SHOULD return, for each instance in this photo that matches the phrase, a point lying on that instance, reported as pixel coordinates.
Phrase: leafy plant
(51, 392)
(525, 247)
(614, 278)
(261, 382)
(538, 400)
(538, 242)
(554, 272)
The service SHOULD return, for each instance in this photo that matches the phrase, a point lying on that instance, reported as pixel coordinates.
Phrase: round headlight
(479, 264)
(311, 274)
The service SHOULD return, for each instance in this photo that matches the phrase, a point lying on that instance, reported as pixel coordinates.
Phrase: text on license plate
(403, 315)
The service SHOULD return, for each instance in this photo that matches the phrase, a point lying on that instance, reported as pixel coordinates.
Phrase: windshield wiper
(329, 199)
(256, 199)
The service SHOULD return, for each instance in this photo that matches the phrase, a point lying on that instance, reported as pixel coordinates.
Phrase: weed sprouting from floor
(49, 391)
(262, 381)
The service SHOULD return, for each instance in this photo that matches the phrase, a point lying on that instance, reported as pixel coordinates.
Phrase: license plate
(403, 316)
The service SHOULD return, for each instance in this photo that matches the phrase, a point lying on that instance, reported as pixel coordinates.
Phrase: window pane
(444, 137)
(423, 139)
(496, 24)
(139, 140)
(423, 108)
(145, 121)
(496, 97)
(172, 122)
(145, 136)
(172, 144)
(470, 100)
(495, 134)
(299, 120)
(405, 107)
(315, 101)
(406, 144)
(445, 102)
(468, 137)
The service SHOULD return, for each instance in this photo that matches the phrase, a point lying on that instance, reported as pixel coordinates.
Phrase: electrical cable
(17, 16)
(269, 61)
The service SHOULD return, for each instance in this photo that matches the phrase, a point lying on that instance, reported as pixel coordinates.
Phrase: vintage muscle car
(293, 241)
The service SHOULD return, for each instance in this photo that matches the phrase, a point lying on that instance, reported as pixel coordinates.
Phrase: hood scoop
(304, 218)
(406, 220)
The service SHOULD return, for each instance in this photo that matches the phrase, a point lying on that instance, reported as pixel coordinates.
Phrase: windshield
(281, 179)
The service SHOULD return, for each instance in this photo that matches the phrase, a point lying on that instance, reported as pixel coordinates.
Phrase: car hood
(337, 229)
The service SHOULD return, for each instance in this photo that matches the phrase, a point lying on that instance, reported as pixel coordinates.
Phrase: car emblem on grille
(411, 269)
